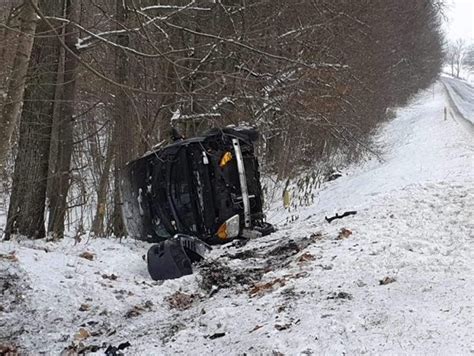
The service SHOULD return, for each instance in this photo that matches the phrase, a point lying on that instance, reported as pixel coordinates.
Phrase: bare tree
(468, 61)
(455, 56)
(16, 87)
(316, 77)
(64, 122)
(27, 201)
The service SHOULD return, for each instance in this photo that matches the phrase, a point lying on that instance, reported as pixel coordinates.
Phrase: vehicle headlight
(230, 228)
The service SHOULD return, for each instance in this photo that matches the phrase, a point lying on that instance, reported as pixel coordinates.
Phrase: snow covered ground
(399, 279)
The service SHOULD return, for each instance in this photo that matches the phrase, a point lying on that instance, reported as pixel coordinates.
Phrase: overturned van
(206, 187)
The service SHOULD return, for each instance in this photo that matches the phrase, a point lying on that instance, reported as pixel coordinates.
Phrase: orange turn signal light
(226, 158)
(222, 232)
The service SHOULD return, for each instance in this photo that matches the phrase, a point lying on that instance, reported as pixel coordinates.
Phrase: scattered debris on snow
(180, 301)
(387, 280)
(344, 234)
(399, 281)
(87, 255)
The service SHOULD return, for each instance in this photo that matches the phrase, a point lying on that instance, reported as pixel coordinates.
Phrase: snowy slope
(306, 289)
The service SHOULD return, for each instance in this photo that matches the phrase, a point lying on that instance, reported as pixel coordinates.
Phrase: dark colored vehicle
(205, 187)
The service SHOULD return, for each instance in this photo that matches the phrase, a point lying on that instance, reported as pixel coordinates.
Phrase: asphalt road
(460, 96)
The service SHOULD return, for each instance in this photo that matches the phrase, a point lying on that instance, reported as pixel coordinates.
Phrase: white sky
(460, 23)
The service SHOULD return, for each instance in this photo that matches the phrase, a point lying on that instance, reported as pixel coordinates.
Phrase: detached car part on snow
(194, 192)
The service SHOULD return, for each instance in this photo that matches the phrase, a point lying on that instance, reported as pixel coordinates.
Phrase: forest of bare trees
(456, 56)
(88, 85)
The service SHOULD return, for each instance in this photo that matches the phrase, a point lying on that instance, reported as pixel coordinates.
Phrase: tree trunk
(61, 179)
(27, 202)
(123, 135)
(98, 223)
(9, 40)
(16, 86)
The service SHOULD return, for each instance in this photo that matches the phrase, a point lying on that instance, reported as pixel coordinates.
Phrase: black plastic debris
(337, 216)
(116, 350)
(173, 258)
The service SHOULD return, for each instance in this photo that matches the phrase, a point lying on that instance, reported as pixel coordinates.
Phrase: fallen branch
(337, 216)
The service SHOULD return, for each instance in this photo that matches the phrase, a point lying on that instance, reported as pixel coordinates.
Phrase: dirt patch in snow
(14, 288)
(243, 269)
(215, 275)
